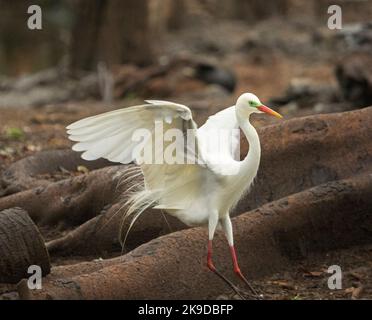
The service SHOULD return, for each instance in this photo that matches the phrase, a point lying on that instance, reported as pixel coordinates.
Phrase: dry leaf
(357, 292)
(83, 169)
(349, 290)
(314, 273)
(283, 284)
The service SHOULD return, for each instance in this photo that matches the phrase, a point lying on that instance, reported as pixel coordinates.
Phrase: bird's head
(249, 103)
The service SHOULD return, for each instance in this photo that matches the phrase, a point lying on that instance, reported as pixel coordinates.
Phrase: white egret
(196, 193)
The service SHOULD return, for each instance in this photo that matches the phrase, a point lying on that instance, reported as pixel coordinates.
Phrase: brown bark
(256, 10)
(70, 201)
(101, 234)
(28, 172)
(111, 31)
(333, 215)
(21, 245)
(304, 152)
(177, 14)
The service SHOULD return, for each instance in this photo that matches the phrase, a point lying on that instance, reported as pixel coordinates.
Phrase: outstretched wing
(111, 136)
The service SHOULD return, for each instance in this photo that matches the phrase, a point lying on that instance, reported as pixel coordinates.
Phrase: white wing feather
(171, 186)
(109, 136)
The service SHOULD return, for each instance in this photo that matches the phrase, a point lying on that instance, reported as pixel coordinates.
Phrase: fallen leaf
(33, 148)
(314, 273)
(283, 284)
(357, 292)
(349, 290)
(83, 169)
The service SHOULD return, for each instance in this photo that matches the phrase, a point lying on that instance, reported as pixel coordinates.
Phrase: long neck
(249, 166)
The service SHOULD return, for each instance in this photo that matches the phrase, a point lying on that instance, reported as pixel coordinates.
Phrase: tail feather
(136, 200)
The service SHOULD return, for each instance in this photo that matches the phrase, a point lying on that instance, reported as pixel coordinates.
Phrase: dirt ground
(308, 279)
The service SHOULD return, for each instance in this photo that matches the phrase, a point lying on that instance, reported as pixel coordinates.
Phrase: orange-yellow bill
(269, 111)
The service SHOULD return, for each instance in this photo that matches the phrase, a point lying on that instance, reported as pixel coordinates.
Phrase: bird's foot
(254, 293)
(227, 281)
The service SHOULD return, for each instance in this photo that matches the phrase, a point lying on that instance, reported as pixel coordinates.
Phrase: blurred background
(93, 56)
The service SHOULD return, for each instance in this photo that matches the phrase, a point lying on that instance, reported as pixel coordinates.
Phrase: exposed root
(330, 216)
(100, 235)
(21, 245)
(27, 173)
(304, 152)
(71, 201)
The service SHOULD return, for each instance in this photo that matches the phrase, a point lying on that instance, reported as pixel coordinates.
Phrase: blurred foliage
(14, 133)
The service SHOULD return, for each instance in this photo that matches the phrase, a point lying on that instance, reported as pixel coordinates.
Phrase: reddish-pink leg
(238, 272)
(211, 267)
(227, 227)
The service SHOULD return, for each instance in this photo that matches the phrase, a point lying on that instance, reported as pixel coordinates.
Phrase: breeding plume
(203, 182)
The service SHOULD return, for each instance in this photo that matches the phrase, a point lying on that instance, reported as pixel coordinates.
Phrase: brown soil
(308, 279)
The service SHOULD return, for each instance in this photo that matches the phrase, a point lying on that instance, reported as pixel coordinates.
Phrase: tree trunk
(110, 31)
(256, 10)
(176, 18)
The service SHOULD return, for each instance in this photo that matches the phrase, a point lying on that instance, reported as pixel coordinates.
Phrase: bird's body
(217, 190)
(196, 192)
(220, 192)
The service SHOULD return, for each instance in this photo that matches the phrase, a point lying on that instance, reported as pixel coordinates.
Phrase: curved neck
(249, 166)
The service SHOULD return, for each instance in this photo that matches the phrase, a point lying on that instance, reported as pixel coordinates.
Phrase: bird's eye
(251, 103)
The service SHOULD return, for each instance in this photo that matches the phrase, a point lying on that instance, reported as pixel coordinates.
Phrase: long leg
(212, 224)
(227, 227)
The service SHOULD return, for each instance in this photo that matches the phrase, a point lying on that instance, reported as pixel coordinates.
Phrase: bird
(204, 186)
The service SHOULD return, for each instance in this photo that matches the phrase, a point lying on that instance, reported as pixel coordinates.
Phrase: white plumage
(197, 193)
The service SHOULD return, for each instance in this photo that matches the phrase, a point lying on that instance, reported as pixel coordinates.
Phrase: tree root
(329, 216)
(101, 234)
(25, 173)
(21, 245)
(71, 201)
(304, 152)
